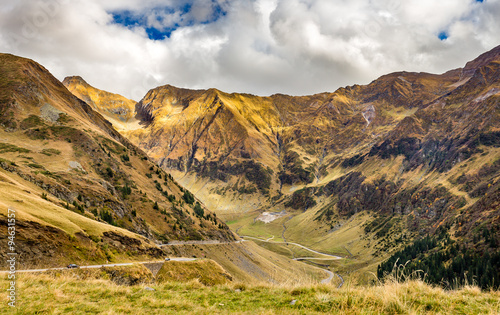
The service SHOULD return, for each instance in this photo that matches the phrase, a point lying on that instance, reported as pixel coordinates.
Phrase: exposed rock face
(369, 114)
(77, 166)
(265, 146)
(50, 113)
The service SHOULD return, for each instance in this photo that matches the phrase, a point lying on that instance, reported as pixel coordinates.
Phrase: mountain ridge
(70, 175)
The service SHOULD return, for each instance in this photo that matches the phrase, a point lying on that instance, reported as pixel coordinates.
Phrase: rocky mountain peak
(72, 80)
(484, 59)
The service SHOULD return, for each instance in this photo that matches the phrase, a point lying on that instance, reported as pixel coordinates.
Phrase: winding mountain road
(269, 240)
(330, 276)
(330, 257)
(299, 245)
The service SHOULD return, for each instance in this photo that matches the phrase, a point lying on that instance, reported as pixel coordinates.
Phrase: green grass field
(49, 294)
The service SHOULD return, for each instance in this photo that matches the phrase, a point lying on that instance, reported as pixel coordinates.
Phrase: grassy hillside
(49, 294)
(207, 272)
(77, 185)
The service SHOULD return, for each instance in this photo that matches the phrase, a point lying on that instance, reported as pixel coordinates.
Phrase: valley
(360, 173)
(328, 190)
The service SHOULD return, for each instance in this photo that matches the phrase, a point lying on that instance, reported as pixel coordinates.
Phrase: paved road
(299, 245)
(330, 257)
(106, 265)
(173, 243)
(210, 242)
(341, 281)
(269, 240)
(330, 276)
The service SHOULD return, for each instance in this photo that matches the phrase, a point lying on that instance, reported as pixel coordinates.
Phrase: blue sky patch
(131, 20)
(443, 35)
(155, 34)
(161, 29)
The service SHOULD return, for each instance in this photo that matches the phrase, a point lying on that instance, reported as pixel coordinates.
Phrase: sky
(261, 47)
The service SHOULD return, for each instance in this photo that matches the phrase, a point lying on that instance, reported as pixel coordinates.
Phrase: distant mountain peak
(484, 59)
(115, 108)
(75, 79)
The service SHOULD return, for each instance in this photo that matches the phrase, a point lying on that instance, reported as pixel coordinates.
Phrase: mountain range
(406, 167)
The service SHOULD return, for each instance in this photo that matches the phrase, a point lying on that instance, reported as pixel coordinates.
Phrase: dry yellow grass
(207, 271)
(250, 263)
(25, 198)
(47, 294)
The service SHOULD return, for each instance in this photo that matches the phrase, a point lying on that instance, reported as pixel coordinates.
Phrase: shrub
(198, 210)
(106, 215)
(126, 190)
(50, 152)
(35, 165)
(188, 197)
(109, 172)
(158, 186)
(302, 199)
(4, 148)
(31, 122)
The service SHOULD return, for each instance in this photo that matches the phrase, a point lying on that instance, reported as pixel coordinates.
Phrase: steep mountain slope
(66, 171)
(224, 146)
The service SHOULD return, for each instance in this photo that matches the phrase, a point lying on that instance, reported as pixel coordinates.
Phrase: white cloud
(259, 46)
